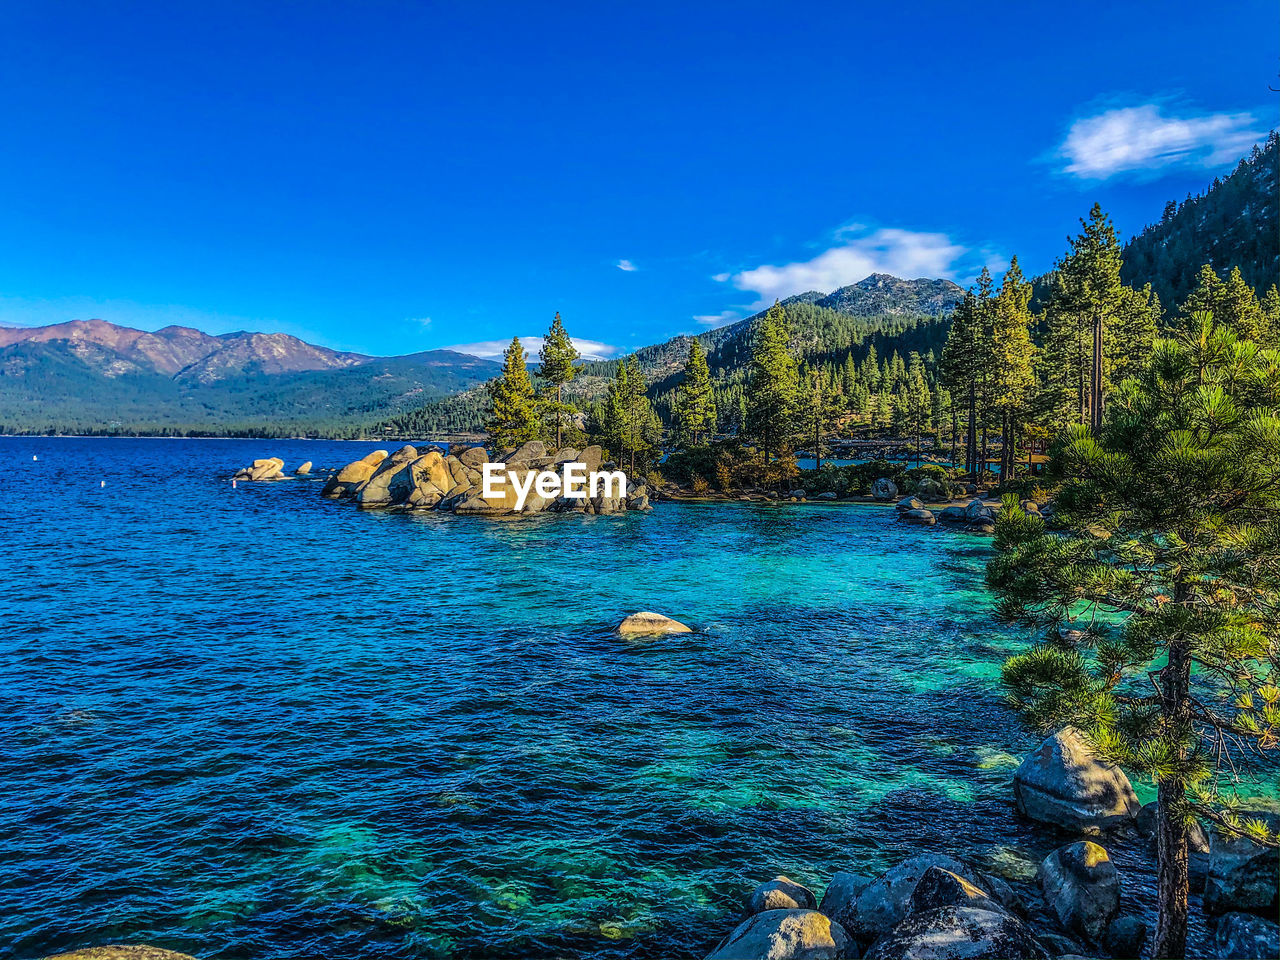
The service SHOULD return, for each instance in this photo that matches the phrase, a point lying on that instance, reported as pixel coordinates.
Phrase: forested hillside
(1234, 223)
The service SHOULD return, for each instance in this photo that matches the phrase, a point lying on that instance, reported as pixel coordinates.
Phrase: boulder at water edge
(1243, 936)
(781, 893)
(923, 518)
(270, 468)
(304, 469)
(886, 900)
(786, 935)
(1082, 886)
(1242, 874)
(909, 503)
(884, 489)
(1061, 783)
(841, 896)
(942, 888)
(958, 933)
(646, 622)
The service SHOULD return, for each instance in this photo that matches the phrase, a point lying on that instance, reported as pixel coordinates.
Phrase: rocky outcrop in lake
(413, 480)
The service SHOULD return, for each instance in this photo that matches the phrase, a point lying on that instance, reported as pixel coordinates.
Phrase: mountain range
(92, 376)
(98, 377)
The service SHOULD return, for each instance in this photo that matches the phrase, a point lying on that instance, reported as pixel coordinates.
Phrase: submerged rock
(781, 893)
(786, 935)
(1243, 936)
(646, 622)
(122, 952)
(958, 933)
(1061, 783)
(1082, 886)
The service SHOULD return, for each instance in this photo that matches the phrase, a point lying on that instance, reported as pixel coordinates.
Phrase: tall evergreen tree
(695, 406)
(1012, 356)
(557, 356)
(1172, 561)
(513, 415)
(772, 383)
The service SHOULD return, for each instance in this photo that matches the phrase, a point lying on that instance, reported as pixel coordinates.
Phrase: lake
(254, 723)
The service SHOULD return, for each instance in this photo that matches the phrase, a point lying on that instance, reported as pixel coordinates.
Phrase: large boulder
(347, 481)
(781, 893)
(646, 622)
(978, 510)
(942, 888)
(1125, 937)
(269, 468)
(952, 514)
(958, 933)
(909, 503)
(1242, 874)
(591, 457)
(532, 451)
(884, 489)
(1061, 783)
(841, 896)
(1242, 936)
(303, 469)
(786, 935)
(887, 899)
(476, 457)
(1082, 886)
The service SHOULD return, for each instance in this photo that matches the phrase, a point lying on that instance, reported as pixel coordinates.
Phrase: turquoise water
(254, 723)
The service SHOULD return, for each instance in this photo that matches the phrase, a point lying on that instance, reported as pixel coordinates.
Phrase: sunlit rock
(1061, 783)
(646, 622)
(786, 935)
(1082, 886)
(781, 893)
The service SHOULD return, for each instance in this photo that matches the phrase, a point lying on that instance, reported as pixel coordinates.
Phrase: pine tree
(771, 384)
(513, 417)
(1172, 559)
(816, 405)
(695, 407)
(1232, 302)
(1012, 357)
(557, 357)
(961, 356)
(618, 428)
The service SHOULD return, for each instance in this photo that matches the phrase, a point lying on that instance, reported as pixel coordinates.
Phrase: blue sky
(390, 177)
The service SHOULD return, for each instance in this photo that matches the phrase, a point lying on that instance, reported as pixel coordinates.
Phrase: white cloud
(723, 318)
(423, 322)
(493, 349)
(903, 253)
(1144, 139)
(627, 266)
(720, 277)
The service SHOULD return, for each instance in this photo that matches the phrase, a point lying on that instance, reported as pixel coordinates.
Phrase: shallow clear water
(254, 723)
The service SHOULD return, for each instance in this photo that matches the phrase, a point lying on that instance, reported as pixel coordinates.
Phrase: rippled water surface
(254, 723)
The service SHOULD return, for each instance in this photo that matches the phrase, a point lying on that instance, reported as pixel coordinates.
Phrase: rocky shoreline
(933, 906)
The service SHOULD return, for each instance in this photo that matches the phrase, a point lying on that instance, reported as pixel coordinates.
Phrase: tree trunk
(1096, 398)
(559, 387)
(1171, 836)
(955, 428)
(971, 435)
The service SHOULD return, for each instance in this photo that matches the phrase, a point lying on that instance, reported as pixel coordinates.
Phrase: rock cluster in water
(975, 516)
(433, 480)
